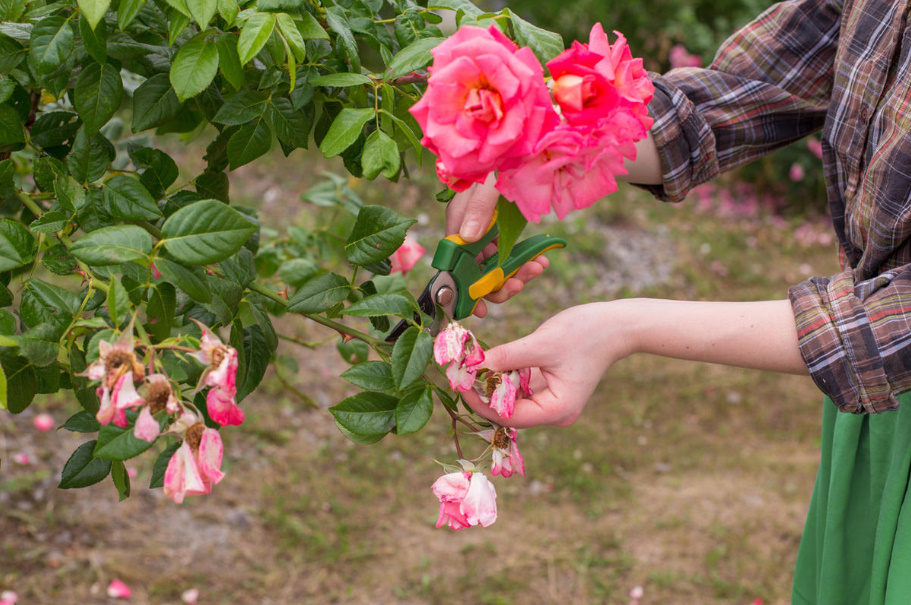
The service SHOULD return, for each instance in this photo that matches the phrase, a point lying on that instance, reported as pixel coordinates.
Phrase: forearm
(758, 335)
(646, 168)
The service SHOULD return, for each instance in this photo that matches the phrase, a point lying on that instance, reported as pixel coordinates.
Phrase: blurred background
(688, 481)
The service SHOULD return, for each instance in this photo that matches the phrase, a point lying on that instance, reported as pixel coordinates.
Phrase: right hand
(468, 214)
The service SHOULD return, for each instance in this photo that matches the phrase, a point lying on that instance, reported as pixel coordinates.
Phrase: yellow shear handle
(493, 281)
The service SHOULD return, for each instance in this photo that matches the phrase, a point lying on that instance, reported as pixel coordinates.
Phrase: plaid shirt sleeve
(768, 86)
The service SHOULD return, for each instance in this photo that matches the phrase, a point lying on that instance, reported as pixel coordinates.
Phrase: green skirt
(856, 545)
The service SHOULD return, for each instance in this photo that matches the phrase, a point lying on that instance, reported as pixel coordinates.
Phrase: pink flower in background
(43, 422)
(22, 458)
(591, 81)
(815, 147)
(485, 105)
(119, 590)
(635, 594)
(221, 375)
(8, 597)
(680, 57)
(506, 457)
(466, 499)
(796, 173)
(457, 347)
(190, 596)
(407, 256)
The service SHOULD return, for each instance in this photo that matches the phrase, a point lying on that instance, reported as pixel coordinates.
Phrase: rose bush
(151, 299)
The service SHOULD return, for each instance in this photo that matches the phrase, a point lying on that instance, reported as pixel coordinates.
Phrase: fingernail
(471, 228)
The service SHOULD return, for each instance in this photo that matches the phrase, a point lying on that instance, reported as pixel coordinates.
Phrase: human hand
(568, 354)
(469, 214)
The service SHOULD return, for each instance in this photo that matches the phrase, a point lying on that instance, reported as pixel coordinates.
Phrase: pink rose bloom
(450, 344)
(43, 422)
(182, 477)
(457, 346)
(221, 375)
(503, 395)
(8, 597)
(486, 103)
(407, 256)
(450, 180)
(466, 499)
(680, 57)
(146, 427)
(117, 368)
(209, 457)
(506, 457)
(119, 590)
(815, 147)
(190, 596)
(571, 169)
(592, 80)
(796, 173)
(115, 402)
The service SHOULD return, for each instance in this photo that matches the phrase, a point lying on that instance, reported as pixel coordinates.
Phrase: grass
(690, 480)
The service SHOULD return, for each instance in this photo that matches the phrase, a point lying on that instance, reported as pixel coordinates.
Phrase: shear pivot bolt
(444, 296)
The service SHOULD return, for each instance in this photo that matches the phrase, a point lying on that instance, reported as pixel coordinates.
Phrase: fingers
(469, 213)
(540, 409)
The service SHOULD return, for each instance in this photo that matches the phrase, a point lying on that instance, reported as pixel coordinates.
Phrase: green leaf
(341, 80)
(250, 142)
(91, 155)
(457, 5)
(160, 311)
(380, 155)
(370, 376)
(21, 383)
(115, 443)
(258, 355)
(50, 222)
(179, 22)
(309, 27)
(254, 35)
(414, 56)
(3, 390)
(94, 38)
(154, 103)
(411, 355)
(12, 137)
(118, 302)
(359, 439)
(291, 127)
(194, 68)
(320, 293)
(127, 11)
(50, 44)
(366, 413)
(202, 11)
(113, 245)
(292, 35)
(160, 170)
(82, 422)
(228, 9)
(83, 468)
(190, 280)
(161, 465)
(98, 93)
(16, 245)
(377, 233)
(206, 232)
(94, 10)
(345, 43)
(345, 129)
(126, 198)
(229, 60)
(121, 479)
(242, 107)
(55, 129)
(511, 223)
(545, 44)
(413, 411)
(382, 304)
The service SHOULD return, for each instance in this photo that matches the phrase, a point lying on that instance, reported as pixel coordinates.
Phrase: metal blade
(425, 302)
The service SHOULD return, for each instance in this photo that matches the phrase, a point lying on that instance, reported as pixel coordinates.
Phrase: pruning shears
(461, 281)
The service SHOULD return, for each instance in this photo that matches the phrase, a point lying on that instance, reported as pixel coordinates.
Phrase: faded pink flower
(22, 458)
(182, 477)
(594, 80)
(117, 368)
(43, 422)
(190, 596)
(119, 590)
(486, 103)
(571, 168)
(466, 499)
(506, 457)
(209, 457)
(815, 147)
(115, 402)
(796, 173)
(146, 427)
(221, 375)
(681, 57)
(159, 394)
(457, 346)
(8, 597)
(407, 256)
(196, 465)
(501, 389)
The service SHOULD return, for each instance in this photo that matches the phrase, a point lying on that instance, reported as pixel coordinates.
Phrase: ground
(689, 480)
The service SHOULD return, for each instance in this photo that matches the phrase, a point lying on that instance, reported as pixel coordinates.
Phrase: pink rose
(116, 401)
(407, 256)
(182, 477)
(8, 597)
(680, 57)
(221, 375)
(485, 105)
(506, 457)
(43, 422)
(457, 347)
(502, 389)
(796, 172)
(450, 180)
(466, 499)
(592, 80)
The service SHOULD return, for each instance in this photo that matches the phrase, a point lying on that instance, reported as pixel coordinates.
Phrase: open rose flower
(457, 347)
(221, 375)
(196, 465)
(506, 457)
(466, 499)
(407, 256)
(485, 105)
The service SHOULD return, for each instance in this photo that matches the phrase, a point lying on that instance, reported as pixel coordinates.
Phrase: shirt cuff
(839, 346)
(686, 143)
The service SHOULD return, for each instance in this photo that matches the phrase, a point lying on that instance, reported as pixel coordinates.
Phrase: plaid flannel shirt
(805, 65)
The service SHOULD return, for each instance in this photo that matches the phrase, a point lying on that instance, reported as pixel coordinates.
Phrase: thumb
(515, 355)
(481, 206)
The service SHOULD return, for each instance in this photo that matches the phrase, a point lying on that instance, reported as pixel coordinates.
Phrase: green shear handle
(473, 281)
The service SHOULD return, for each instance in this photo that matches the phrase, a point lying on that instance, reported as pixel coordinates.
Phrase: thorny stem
(303, 396)
(303, 343)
